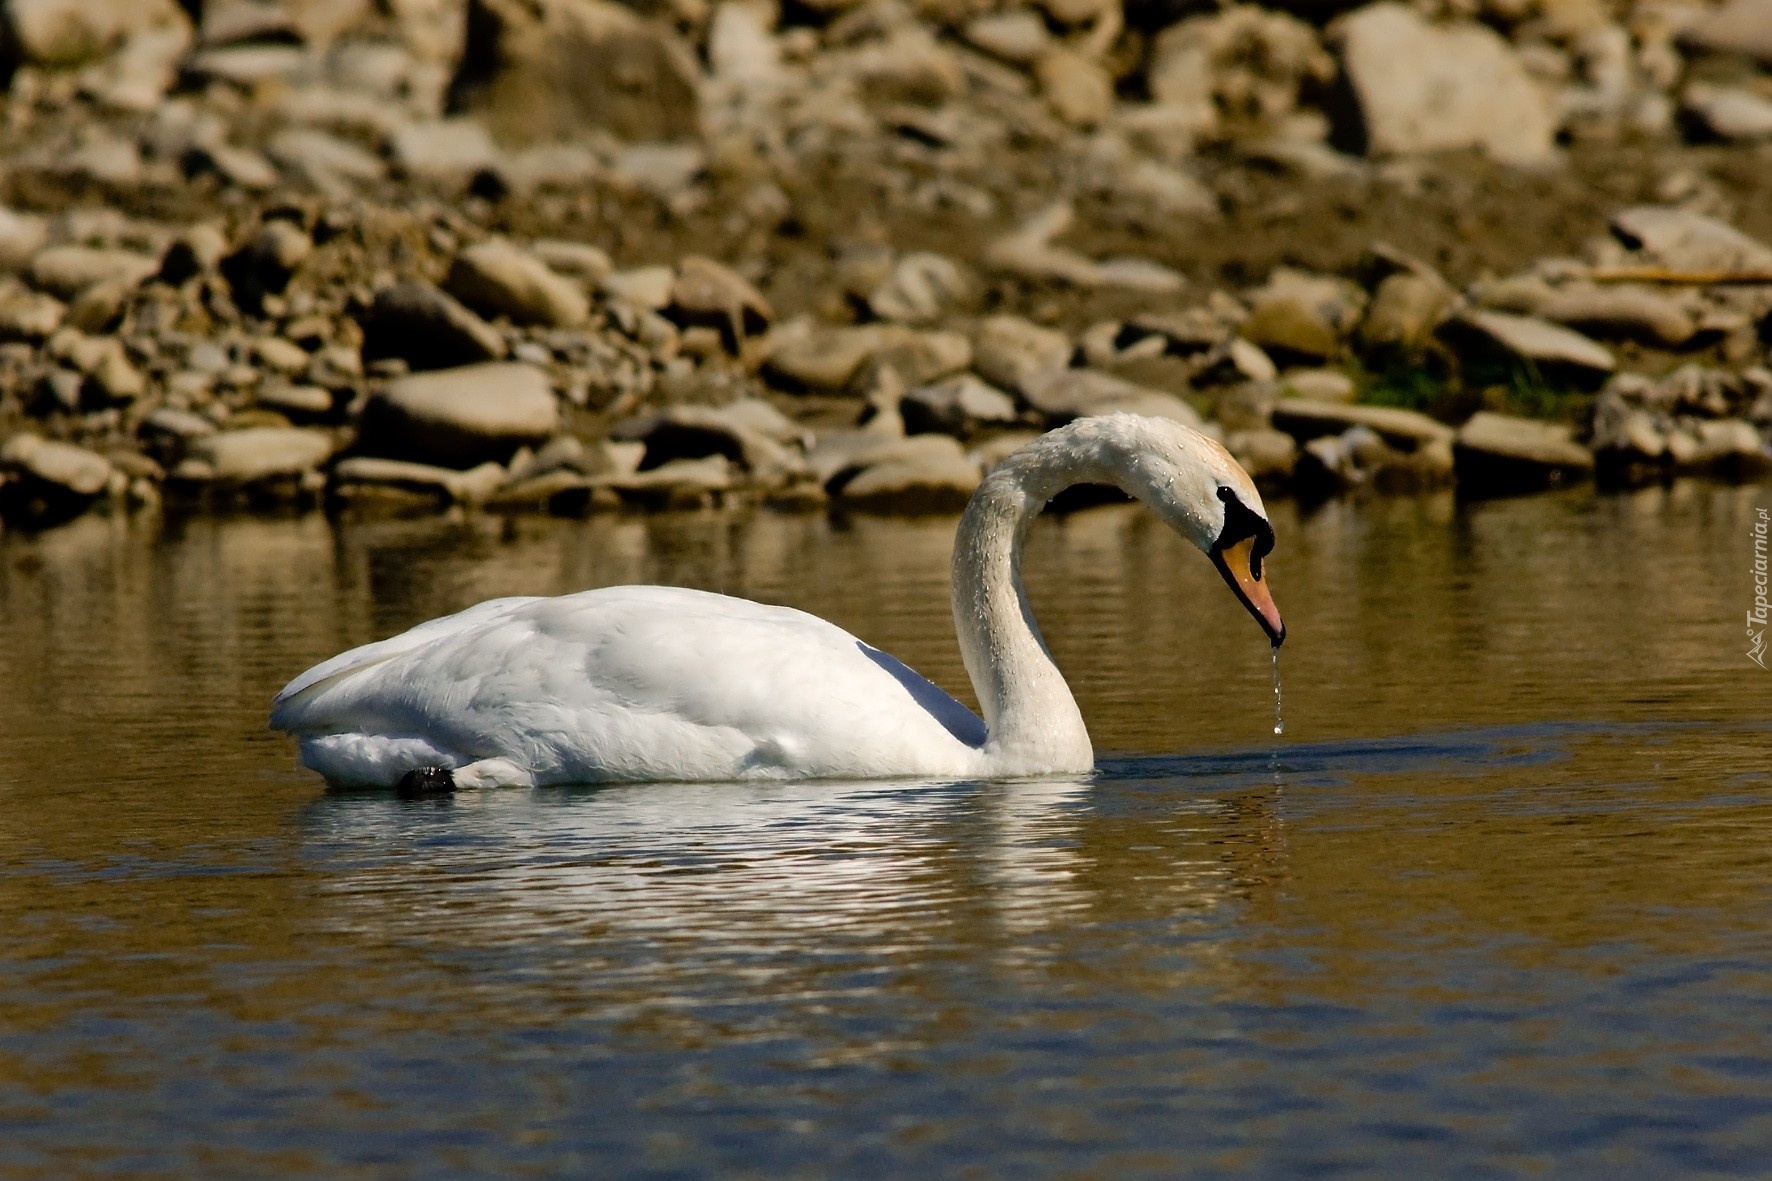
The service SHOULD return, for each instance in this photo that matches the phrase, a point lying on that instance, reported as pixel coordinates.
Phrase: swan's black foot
(425, 781)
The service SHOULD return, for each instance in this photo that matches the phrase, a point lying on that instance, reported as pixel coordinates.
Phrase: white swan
(637, 683)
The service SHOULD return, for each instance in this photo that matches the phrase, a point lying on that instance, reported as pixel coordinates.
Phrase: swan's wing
(288, 710)
(642, 682)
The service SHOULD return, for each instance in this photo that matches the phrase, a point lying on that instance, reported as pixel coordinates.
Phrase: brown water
(1496, 902)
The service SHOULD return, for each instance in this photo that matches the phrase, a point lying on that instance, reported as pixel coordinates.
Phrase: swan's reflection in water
(717, 890)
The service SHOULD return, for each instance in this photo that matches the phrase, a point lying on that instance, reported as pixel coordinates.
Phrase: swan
(659, 683)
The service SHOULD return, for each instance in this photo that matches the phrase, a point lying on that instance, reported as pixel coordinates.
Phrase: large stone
(750, 432)
(427, 329)
(1305, 419)
(1682, 240)
(1537, 341)
(1729, 112)
(461, 417)
(1405, 309)
(1739, 26)
(1418, 87)
(921, 474)
(67, 32)
(956, 406)
(1008, 350)
(707, 292)
(1631, 313)
(46, 482)
(446, 151)
(828, 360)
(66, 271)
(1498, 453)
(1067, 394)
(496, 278)
(539, 70)
(258, 454)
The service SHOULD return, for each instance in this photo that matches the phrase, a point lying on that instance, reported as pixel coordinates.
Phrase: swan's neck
(1033, 721)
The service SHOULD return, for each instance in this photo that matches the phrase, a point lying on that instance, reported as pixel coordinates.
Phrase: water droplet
(1279, 717)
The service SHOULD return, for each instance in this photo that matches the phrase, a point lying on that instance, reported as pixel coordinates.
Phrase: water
(1279, 711)
(1496, 904)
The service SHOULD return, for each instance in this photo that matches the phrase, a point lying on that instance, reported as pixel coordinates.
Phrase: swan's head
(1193, 483)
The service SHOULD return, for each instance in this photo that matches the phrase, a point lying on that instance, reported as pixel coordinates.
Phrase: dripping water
(1279, 717)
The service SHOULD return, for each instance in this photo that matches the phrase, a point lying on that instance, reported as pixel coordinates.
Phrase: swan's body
(661, 683)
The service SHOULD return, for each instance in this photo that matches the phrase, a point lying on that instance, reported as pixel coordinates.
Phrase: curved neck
(1031, 717)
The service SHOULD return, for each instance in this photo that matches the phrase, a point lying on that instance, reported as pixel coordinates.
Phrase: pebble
(957, 406)
(1008, 350)
(427, 329)
(642, 287)
(1304, 420)
(66, 271)
(706, 292)
(62, 465)
(1683, 240)
(496, 278)
(920, 474)
(474, 486)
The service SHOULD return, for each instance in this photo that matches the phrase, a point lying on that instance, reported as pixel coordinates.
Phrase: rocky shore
(573, 256)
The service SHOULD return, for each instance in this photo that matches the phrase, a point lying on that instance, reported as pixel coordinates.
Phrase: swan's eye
(1241, 523)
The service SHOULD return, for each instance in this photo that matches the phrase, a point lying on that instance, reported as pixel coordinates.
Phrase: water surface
(1497, 902)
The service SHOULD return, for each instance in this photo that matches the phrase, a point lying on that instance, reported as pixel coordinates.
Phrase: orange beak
(1233, 563)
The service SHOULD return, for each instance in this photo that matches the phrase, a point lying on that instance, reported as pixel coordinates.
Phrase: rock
(265, 264)
(449, 152)
(474, 486)
(427, 329)
(922, 288)
(548, 69)
(1404, 429)
(334, 166)
(921, 474)
(1291, 330)
(1027, 251)
(199, 250)
(249, 67)
(747, 432)
(1405, 310)
(1730, 448)
(167, 433)
(1008, 350)
(1320, 385)
(1614, 312)
(643, 287)
(1497, 453)
(461, 417)
(1684, 241)
(588, 264)
(1738, 26)
(1728, 112)
(296, 401)
(240, 167)
(1067, 394)
(257, 455)
(706, 292)
(68, 32)
(49, 482)
(1418, 87)
(956, 406)
(496, 278)
(1245, 64)
(22, 235)
(1267, 455)
(1530, 339)
(1018, 36)
(682, 483)
(1080, 90)
(66, 271)
(28, 316)
(829, 359)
